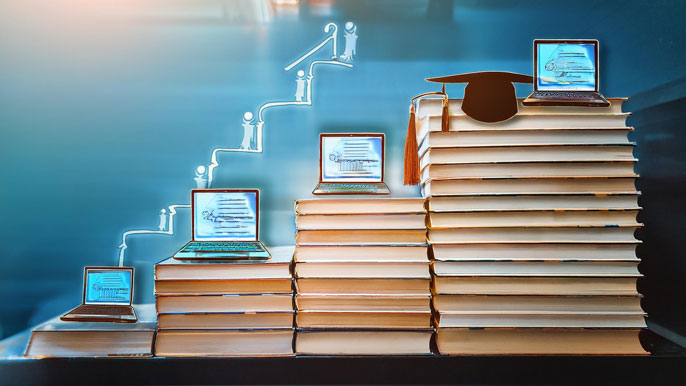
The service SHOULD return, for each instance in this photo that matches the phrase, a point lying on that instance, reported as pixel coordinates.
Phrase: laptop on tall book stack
(566, 74)
(351, 164)
(225, 226)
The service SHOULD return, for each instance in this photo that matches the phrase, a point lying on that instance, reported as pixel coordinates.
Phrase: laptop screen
(351, 158)
(108, 286)
(225, 215)
(566, 66)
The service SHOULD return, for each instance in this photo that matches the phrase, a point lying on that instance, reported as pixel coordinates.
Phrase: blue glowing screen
(352, 159)
(225, 216)
(110, 286)
(568, 67)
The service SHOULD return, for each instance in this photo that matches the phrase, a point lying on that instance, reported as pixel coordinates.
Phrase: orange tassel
(445, 115)
(411, 155)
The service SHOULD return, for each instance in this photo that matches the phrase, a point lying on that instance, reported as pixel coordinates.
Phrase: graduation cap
(488, 97)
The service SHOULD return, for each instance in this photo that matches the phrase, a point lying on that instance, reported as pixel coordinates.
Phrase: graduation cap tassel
(445, 115)
(411, 176)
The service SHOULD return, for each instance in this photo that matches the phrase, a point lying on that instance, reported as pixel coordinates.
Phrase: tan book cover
(530, 202)
(224, 303)
(570, 234)
(354, 253)
(363, 342)
(363, 270)
(456, 341)
(361, 237)
(529, 170)
(360, 221)
(360, 206)
(511, 186)
(537, 268)
(493, 285)
(536, 251)
(549, 218)
(208, 343)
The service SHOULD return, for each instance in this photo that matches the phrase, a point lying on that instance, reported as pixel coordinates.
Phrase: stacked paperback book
(59, 339)
(225, 308)
(531, 225)
(362, 277)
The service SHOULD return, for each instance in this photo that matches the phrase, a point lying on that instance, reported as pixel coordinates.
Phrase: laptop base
(329, 188)
(101, 313)
(566, 98)
(214, 251)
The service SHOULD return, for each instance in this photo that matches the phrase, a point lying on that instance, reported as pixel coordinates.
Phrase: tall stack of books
(362, 277)
(531, 225)
(225, 308)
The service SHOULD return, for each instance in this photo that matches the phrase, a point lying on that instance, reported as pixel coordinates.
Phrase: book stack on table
(225, 308)
(362, 277)
(531, 225)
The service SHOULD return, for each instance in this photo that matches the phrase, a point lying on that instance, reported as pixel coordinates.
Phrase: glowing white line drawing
(204, 176)
(169, 231)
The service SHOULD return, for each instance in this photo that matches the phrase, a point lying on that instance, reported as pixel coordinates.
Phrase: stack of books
(362, 277)
(531, 225)
(225, 308)
(68, 339)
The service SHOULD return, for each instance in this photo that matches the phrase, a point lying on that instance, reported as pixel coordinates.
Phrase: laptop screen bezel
(595, 44)
(351, 135)
(85, 283)
(257, 213)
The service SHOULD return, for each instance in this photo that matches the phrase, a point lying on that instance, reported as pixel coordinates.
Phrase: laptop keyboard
(95, 309)
(566, 95)
(347, 186)
(222, 246)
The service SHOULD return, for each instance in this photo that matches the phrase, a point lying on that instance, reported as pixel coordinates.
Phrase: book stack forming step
(225, 308)
(69, 339)
(531, 226)
(362, 277)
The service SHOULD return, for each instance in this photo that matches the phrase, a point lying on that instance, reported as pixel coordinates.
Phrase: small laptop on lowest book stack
(566, 74)
(225, 226)
(107, 296)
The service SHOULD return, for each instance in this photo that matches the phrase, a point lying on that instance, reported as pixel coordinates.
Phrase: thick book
(544, 268)
(224, 303)
(356, 342)
(363, 286)
(363, 270)
(523, 121)
(220, 343)
(353, 253)
(540, 218)
(524, 202)
(223, 287)
(365, 319)
(213, 321)
(536, 251)
(527, 154)
(514, 304)
(603, 234)
(524, 320)
(529, 170)
(494, 285)
(526, 136)
(360, 221)
(277, 267)
(361, 237)
(360, 206)
(457, 341)
(433, 107)
(56, 338)
(511, 186)
(377, 302)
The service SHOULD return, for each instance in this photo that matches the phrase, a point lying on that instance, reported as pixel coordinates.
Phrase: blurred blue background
(107, 108)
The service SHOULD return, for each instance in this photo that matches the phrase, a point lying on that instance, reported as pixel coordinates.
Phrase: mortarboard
(488, 97)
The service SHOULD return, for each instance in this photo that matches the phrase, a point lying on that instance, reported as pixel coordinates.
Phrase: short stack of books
(68, 339)
(531, 225)
(225, 308)
(362, 277)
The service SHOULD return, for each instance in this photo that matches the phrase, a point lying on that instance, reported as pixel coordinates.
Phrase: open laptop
(351, 164)
(107, 296)
(225, 226)
(566, 74)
